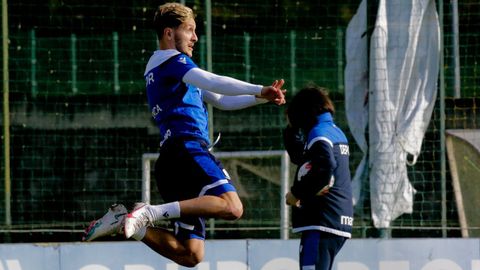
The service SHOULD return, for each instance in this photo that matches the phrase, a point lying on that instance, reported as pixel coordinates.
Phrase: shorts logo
(166, 215)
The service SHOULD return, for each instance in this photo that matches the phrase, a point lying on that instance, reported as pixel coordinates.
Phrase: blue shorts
(184, 170)
(318, 249)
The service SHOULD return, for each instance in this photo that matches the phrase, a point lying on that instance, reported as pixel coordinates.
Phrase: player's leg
(308, 252)
(212, 195)
(318, 249)
(329, 246)
(225, 206)
(193, 182)
(194, 185)
(184, 246)
(188, 252)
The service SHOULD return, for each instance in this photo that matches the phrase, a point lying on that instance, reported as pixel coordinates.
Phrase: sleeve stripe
(321, 138)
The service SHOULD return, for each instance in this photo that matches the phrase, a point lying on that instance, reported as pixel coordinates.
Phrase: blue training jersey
(176, 107)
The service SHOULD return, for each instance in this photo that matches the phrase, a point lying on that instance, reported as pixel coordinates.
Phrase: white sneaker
(137, 219)
(110, 224)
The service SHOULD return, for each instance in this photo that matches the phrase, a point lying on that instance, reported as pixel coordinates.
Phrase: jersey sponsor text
(345, 220)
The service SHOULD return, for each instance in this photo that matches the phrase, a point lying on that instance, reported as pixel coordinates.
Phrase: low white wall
(358, 254)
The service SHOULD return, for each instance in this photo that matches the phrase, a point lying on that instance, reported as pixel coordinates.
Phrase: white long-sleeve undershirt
(224, 92)
(220, 84)
(224, 102)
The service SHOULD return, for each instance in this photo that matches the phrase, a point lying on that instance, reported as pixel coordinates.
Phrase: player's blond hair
(171, 15)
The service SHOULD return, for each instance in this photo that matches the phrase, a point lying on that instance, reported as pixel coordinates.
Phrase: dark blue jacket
(322, 182)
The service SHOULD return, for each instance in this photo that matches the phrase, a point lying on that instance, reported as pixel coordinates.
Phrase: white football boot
(110, 224)
(137, 219)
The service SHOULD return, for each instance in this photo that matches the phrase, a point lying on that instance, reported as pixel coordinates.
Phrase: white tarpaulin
(403, 73)
(356, 90)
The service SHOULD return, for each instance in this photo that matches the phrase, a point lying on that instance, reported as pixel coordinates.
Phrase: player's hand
(292, 200)
(274, 93)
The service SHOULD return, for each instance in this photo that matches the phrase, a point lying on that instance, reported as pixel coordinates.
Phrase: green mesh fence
(80, 123)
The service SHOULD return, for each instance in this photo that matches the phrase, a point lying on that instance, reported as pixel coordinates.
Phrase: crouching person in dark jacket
(321, 195)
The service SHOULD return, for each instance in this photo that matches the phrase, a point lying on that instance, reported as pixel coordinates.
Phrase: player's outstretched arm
(274, 93)
(228, 86)
(224, 85)
(231, 99)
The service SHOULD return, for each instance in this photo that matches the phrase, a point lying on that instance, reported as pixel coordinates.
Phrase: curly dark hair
(307, 104)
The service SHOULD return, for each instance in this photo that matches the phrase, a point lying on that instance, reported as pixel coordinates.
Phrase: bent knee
(235, 212)
(192, 260)
(233, 207)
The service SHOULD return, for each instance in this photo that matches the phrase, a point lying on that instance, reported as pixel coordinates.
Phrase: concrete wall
(357, 254)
